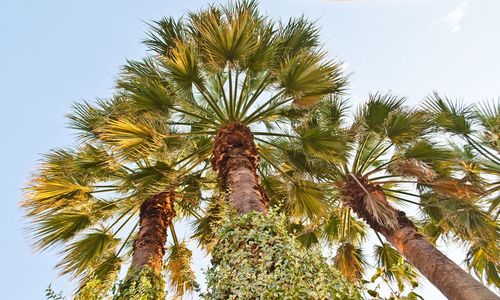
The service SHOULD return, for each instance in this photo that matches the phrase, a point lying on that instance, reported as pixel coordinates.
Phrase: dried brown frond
(452, 187)
(412, 167)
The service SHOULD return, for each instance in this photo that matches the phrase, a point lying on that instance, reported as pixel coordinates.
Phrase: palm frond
(85, 118)
(403, 126)
(48, 194)
(297, 35)
(178, 265)
(307, 77)
(394, 266)
(164, 34)
(79, 255)
(483, 258)
(349, 260)
(59, 227)
(134, 137)
(227, 35)
(144, 86)
(325, 144)
(374, 113)
(306, 198)
(204, 228)
(452, 117)
(182, 66)
(460, 216)
(104, 272)
(488, 114)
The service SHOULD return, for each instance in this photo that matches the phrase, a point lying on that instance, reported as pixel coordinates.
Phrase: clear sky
(56, 52)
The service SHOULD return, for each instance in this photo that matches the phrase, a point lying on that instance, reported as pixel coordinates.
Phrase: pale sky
(56, 52)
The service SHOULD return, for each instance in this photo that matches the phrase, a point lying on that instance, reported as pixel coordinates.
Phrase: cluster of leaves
(144, 284)
(256, 257)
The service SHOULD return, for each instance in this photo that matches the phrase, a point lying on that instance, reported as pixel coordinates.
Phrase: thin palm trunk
(235, 159)
(447, 276)
(155, 217)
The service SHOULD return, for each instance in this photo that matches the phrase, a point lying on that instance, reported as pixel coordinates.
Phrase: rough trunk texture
(156, 215)
(235, 159)
(447, 276)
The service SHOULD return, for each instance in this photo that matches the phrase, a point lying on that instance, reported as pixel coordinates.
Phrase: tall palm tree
(88, 195)
(390, 148)
(473, 131)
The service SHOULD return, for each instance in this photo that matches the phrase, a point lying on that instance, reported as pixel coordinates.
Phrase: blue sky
(56, 52)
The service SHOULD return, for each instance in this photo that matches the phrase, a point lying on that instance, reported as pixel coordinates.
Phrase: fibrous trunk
(447, 276)
(235, 159)
(155, 217)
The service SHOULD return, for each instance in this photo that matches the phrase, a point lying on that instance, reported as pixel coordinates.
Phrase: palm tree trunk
(155, 217)
(235, 159)
(447, 276)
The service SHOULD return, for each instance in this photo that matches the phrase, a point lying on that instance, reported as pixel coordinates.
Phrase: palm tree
(473, 133)
(88, 195)
(224, 74)
(385, 137)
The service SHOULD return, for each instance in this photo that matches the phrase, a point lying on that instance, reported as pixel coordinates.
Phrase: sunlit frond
(134, 138)
(79, 255)
(178, 265)
(104, 272)
(307, 77)
(55, 193)
(182, 66)
(322, 143)
(60, 227)
(227, 35)
(349, 261)
(484, 259)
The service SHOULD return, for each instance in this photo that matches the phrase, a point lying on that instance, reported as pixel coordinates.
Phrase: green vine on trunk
(256, 258)
(142, 285)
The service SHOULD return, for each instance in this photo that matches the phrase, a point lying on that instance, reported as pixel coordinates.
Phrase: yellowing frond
(180, 275)
(349, 261)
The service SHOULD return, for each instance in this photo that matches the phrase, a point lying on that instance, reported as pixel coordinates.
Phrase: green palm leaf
(87, 250)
